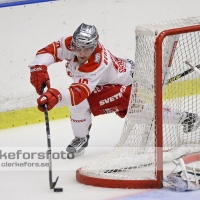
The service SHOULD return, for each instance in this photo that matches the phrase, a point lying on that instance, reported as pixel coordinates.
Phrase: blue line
(23, 3)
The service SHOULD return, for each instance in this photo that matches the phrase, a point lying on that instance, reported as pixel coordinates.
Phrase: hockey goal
(160, 77)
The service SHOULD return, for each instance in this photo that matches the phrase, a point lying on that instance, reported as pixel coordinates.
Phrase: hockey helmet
(85, 36)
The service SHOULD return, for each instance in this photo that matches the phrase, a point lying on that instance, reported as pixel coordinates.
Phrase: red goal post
(131, 163)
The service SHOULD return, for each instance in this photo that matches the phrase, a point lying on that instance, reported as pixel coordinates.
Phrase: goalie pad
(189, 177)
(176, 182)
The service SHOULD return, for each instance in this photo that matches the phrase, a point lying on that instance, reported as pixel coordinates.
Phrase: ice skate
(191, 122)
(77, 147)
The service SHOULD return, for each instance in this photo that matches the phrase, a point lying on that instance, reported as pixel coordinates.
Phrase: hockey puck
(58, 189)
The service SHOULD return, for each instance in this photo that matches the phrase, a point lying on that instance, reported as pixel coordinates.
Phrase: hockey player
(189, 177)
(101, 83)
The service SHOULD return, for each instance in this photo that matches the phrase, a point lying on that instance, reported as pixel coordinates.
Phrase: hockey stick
(182, 74)
(196, 69)
(51, 183)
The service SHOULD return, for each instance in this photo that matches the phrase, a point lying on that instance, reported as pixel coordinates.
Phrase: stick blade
(53, 184)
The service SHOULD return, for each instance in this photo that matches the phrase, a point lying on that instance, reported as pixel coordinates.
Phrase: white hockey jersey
(100, 69)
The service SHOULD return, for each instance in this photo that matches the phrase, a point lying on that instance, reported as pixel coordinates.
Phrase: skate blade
(79, 153)
(71, 155)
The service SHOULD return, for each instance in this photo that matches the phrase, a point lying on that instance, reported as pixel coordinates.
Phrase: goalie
(101, 84)
(189, 177)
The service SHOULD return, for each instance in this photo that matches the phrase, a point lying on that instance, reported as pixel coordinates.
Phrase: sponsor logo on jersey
(122, 66)
(97, 58)
(78, 120)
(114, 97)
(105, 60)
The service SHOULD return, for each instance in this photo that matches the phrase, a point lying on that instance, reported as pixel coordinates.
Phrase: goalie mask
(85, 36)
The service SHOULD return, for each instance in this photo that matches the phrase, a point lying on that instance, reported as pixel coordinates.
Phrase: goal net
(161, 82)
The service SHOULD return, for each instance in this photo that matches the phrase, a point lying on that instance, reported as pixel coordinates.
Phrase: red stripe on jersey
(68, 43)
(78, 93)
(51, 49)
(93, 62)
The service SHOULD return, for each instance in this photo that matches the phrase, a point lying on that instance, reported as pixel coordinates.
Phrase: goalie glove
(39, 76)
(51, 97)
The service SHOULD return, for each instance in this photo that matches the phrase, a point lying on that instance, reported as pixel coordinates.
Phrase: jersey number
(83, 80)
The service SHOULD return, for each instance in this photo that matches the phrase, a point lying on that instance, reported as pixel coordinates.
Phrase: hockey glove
(51, 97)
(39, 76)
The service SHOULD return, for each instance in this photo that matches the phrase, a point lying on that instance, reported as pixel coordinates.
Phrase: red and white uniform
(102, 68)
(100, 85)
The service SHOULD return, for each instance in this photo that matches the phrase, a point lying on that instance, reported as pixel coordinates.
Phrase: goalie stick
(196, 69)
(174, 78)
(51, 183)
